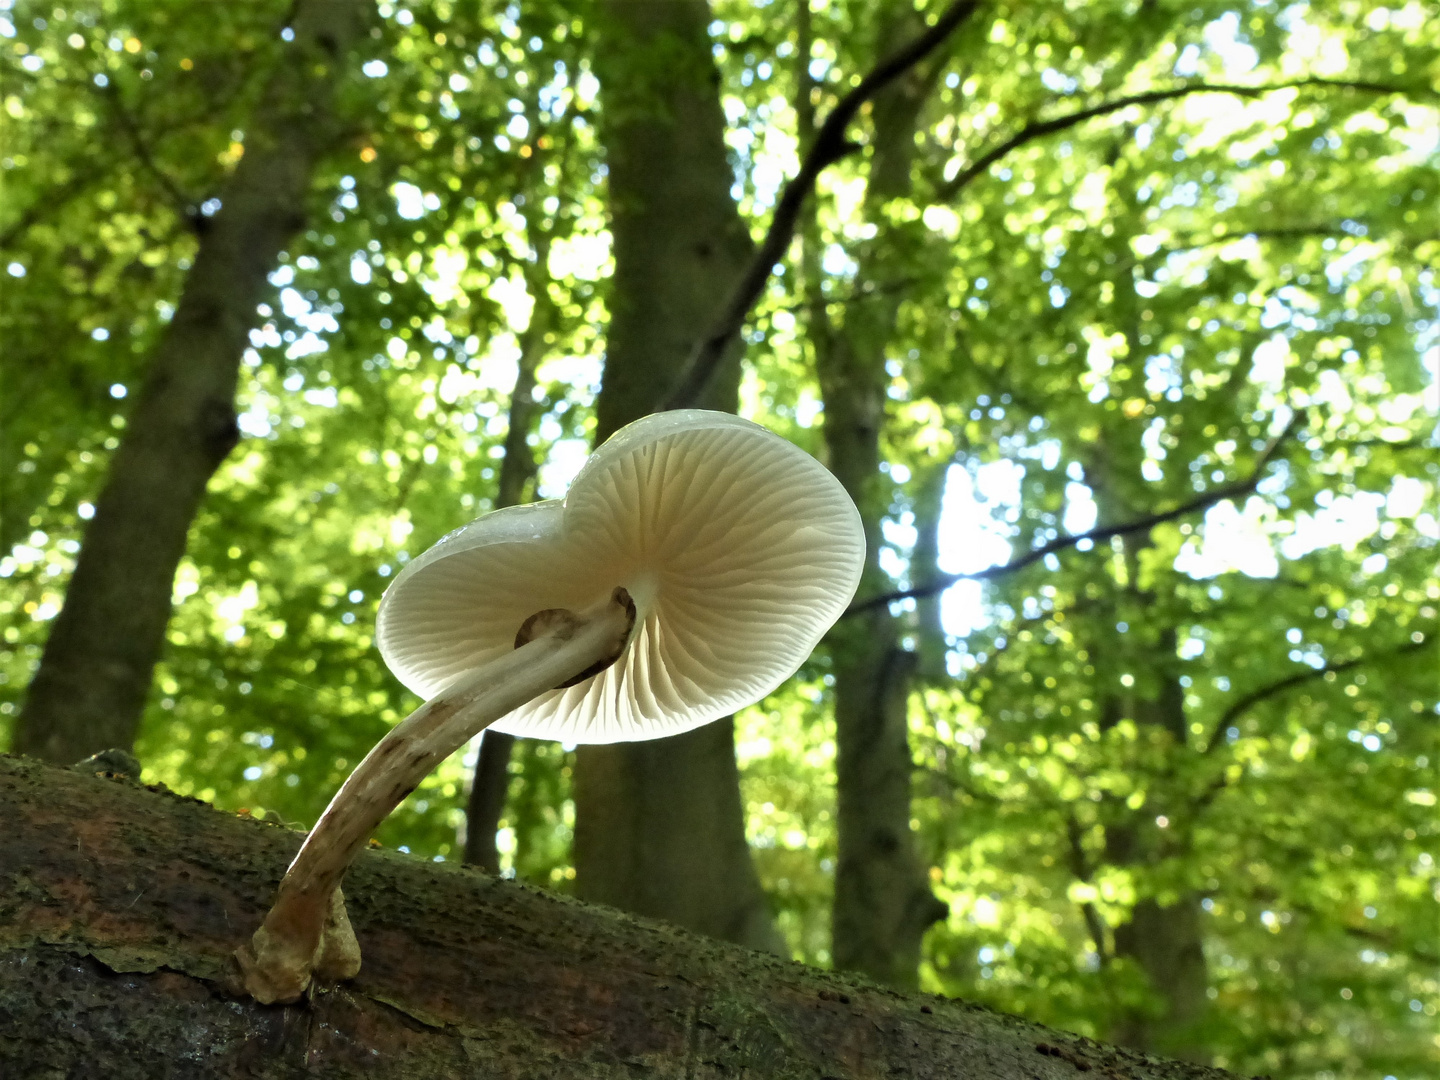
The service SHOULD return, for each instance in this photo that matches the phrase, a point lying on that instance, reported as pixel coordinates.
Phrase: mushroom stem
(307, 931)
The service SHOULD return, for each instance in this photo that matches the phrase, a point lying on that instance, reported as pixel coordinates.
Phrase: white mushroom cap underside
(746, 548)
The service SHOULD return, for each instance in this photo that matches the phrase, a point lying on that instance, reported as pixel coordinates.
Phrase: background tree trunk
(1165, 941)
(883, 903)
(120, 911)
(490, 782)
(928, 504)
(95, 673)
(659, 826)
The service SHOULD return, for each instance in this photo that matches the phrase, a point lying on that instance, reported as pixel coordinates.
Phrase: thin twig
(1229, 491)
(1040, 128)
(830, 146)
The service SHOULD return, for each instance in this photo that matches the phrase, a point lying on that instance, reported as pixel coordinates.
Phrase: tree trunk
(928, 505)
(1167, 945)
(1165, 942)
(120, 906)
(490, 782)
(659, 827)
(883, 903)
(485, 805)
(90, 689)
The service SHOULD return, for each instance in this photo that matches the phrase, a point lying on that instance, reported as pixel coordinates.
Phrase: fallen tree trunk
(120, 907)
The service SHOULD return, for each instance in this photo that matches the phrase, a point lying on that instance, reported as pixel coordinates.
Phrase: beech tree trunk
(1165, 941)
(883, 903)
(95, 673)
(120, 907)
(659, 826)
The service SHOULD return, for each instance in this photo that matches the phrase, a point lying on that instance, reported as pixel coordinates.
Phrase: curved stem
(306, 931)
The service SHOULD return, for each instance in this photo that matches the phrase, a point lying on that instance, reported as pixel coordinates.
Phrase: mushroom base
(306, 932)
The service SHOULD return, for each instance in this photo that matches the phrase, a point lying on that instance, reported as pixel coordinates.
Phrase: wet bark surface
(95, 673)
(120, 906)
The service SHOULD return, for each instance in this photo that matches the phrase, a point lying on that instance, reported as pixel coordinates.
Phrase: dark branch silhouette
(1040, 128)
(830, 146)
(1248, 701)
(179, 199)
(1145, 524)
(50, 202)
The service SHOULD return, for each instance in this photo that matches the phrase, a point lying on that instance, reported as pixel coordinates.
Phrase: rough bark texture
(883, 904)
(659, 826)
(90, 689)
(119, 907)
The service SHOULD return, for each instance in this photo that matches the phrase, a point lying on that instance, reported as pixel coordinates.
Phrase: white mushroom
(692, 567)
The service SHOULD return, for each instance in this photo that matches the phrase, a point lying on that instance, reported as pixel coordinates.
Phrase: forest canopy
(1120, 322)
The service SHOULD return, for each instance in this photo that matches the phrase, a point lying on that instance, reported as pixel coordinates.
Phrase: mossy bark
(95, 673)
(659, 826)
(120, 907)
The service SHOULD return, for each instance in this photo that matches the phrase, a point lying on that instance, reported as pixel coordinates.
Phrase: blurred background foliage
(1102, 322)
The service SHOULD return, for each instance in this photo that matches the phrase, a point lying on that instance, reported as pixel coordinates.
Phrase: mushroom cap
(739, 548)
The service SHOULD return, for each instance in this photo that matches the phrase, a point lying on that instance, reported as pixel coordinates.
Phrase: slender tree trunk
(1164, 941)
(490, 781)
(120, 908)
(485, 806)
(90, 689)
(883, 903)
(929, 502)
(659, 826)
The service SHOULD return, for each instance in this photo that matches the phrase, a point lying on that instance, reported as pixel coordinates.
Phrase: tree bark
(119, 908)
(659, 826)
(1167, 945)
(90, 689)
(883, 904)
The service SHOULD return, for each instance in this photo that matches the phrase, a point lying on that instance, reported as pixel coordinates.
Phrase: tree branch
(1229, 491)
(50, 202)
(180, 199)
(1040, 128)
(1248, 701)
(830, 146)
